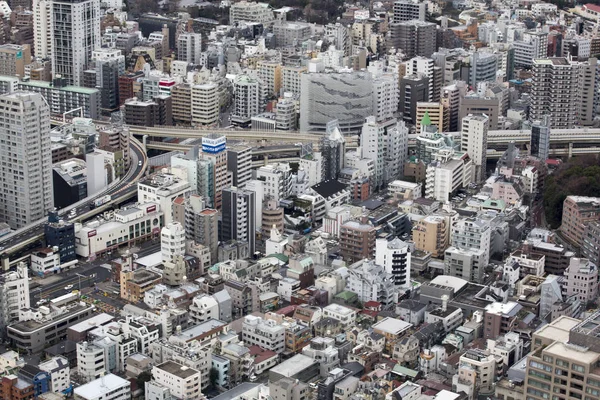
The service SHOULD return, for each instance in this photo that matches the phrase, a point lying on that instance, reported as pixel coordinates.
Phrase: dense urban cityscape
(299, 200)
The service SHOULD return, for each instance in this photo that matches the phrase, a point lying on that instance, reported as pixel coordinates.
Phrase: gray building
(333, 152)
(345, 97)
(237, 222)
(239, 163)
(26, 178)
(189, 47)
(291, 34)
(36, 334)
(407, 10)
(109, 65)
(414, 38)
(413, 89)
(483, 68)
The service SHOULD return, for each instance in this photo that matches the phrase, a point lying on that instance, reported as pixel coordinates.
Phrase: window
(578, 368)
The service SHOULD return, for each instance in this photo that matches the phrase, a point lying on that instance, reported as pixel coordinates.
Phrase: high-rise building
(357, 240)
(238, 221)
(201, 224)
(578, 211)
(14, 295)
(26, 193)
(109, 65)
(239, 164)
(250, 12)
(42, 28)
(61, 234)
(432, 234)
(473, 140)
(333, 151)
(413, 89)
(278, 180)
(484, 67)
(172, 242)
(394, 256)
(554, 92)
(426, 66)
(270, 73)
(581, 280)
(189, 47)
(589, 81)
(76, 33)
(540, 141)
(450, 99)
(414, 38)
(248, 99)
(204, 104)
(214, 148)
(13, 59)
(408, 10)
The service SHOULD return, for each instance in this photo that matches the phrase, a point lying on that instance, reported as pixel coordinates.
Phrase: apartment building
(183, 382)
(578, 211)
(476, 373)
(357, 240)
(204, 104)
(13, 59)
(107, 387)
(238, 221)
(250, 12)
(581, 280)
(432, 234)
(394, 256)
(14, 295)
(473, 140)
(266, 334)
(60, 373)
(590, 248)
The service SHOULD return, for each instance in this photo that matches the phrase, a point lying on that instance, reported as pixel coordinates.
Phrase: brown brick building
(357, 240)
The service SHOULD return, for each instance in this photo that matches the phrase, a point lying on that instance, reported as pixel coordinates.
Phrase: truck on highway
(100, 201)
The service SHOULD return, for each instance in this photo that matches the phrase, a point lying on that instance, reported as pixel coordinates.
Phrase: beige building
(205, 104)
(577, 212)
(14, 58)
(437, 115)
(432, 234)
(270, 73)
(182, 103)
(291, 79)
(183, 382)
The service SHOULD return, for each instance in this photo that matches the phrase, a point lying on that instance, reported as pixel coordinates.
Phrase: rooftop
(101, 386)
(392, 325)
(294, 365)
(178, 370)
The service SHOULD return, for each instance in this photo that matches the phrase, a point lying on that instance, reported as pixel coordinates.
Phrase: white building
(76, 33)
(42, 28)
(203, 308)
(264, 333)
(345, 315)
(469, 254)
(249, 94)
(189, 47)
(26, 179)
(162, 189)
(250, 12)
(371, 282)
(277, 180)
(183, 382)
(172, 242)
(60, 373)
(204, 104)
(405, 190)
(473, 140)
(14, 295)
(446, 174)
(91, 361)
(99, 236)
(45, 261)
(108, 387)
(394, 256)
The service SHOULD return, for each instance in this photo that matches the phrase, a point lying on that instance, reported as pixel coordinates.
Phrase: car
(69, 287)
(139, 163)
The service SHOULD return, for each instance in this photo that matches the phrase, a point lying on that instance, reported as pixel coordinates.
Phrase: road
(89, 274)
(124, 188)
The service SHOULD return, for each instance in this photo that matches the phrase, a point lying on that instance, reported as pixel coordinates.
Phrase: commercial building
(127, 226)
(107, 387)
(540, 141)
(372, 282)
(250, 12)
(407, 10)
(204, 104)
(59, 370)
(26, 194)
(183, 382)
(414, 89)
(46, 327)
(214, 150)
(239, 164)
(432, 234)
(249, 97)
(278, 180)
(76, 33)
(189, 47)
(162, 189)
(69, 180)
(578, 211)
(66, 98)
(155, 112)
(590, 247)
(447, 173)
(415, 38)
(554, 92)
(61, 234)
(201, 224)
(109, 65)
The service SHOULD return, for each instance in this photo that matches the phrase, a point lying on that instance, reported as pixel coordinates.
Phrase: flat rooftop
(92, 322)
(178, 370)
(294, 365)
(392, 325)
(96, 388)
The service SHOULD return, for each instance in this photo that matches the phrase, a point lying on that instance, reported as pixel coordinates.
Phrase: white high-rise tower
(42, 28)
(76, 33)
(26, 154)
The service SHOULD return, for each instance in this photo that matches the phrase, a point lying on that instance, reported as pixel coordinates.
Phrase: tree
(142, 378)
(213, 376)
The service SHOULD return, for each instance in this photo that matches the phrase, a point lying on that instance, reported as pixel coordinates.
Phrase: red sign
(151, 209)
(92, 233)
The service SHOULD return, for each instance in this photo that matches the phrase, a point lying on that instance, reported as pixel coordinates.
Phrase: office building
(278, 180)
(66, 98)
(577, 212)
(590, 247)
(530, 47)
(181, 95)
(473, 140)
(500, 318)
(394, 256)
(291, 78)
(589, 74)
(201, 224)
(61, 234)
(270, 73)
(13, 59)
(189, 47)
(554, 92)
(480, 105)
(357, 240)
(426, 66)
(432, 114)
(203, 103)
(238, 221)
(27, 156)
(448, 172)
(214, 150)
(333, 152)
(69, 180)
(408, 10)
(265, 333)
(116, 137)
(484, 67)
(76, 34)
(109, 66)
(172, 242)
(239, 164)
(156, 112)
(413, 89)
(35, 332)
(290, 34)
(162, 189)
(414, 38)
(343, 96)
(108, 387)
